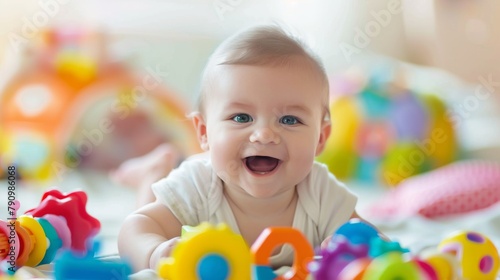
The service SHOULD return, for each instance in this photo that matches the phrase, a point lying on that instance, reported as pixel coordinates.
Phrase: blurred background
(103, 60)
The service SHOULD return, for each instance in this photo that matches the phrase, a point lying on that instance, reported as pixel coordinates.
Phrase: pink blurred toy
(457, 188)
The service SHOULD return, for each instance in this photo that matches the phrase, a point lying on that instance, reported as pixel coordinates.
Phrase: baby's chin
(266, 191)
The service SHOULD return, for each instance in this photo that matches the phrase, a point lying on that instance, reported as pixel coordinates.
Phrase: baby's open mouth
(261, 164)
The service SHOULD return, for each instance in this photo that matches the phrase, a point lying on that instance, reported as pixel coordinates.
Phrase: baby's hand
(162, 251)
(325, 242)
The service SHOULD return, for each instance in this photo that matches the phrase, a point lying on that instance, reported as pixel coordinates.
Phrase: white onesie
(194, 194)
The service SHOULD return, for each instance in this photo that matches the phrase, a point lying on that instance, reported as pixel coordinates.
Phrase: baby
(262, 118)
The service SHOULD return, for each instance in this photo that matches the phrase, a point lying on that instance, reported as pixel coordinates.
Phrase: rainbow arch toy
(45, 109)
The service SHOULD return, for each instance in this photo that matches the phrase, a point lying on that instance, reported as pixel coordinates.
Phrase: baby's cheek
(228, 171)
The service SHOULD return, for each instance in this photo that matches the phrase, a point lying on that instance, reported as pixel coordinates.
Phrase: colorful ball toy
(477, 255)
(383, 132)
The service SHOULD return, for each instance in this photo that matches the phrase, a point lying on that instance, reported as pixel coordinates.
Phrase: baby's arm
(147, 235)
(380, 234)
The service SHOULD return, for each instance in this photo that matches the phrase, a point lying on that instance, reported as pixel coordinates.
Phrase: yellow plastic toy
(208, 250)
(445, 265)
(38, 238)
(476, 254)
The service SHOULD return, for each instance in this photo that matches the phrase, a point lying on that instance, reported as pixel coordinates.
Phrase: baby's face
(263, 126)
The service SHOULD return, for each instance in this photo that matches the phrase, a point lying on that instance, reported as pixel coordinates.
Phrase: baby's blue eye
(242, 118)
(289, 120)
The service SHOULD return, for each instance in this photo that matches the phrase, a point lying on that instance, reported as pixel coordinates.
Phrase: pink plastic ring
(61, 227)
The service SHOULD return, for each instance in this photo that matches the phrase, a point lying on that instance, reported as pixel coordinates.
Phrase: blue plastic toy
(71, 265)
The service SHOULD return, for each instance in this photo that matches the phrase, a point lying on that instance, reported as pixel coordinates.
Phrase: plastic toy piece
(187, 230)
(25, 244)
(5, 230)
(426, 269)
(355, 270)
(213, 267)
(5, 271)
(445, 265)
(23, 273)
(38, 239)
(71, 266)
(357, 232)
(391, 266)
(54, 242)
(379, 246)
(336, 257)
(72, 207)
(77, 69)
(207, 244)
(477, 255)
(273, 236)
(61, 227)
(264, 272)
(4, 246)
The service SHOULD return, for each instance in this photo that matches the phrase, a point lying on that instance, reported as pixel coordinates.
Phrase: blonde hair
(262, 46)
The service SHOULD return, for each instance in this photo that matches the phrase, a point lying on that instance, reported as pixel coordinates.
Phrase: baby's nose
(265, 135)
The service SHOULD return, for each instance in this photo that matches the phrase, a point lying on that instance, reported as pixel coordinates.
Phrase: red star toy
(72, 207)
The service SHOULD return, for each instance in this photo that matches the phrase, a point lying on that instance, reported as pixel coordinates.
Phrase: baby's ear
(326, 127)
(201, 130)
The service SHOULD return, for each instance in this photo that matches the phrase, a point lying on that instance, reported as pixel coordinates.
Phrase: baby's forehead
(217, 74)
(283, 63)
(302, 67)
(239, 83)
